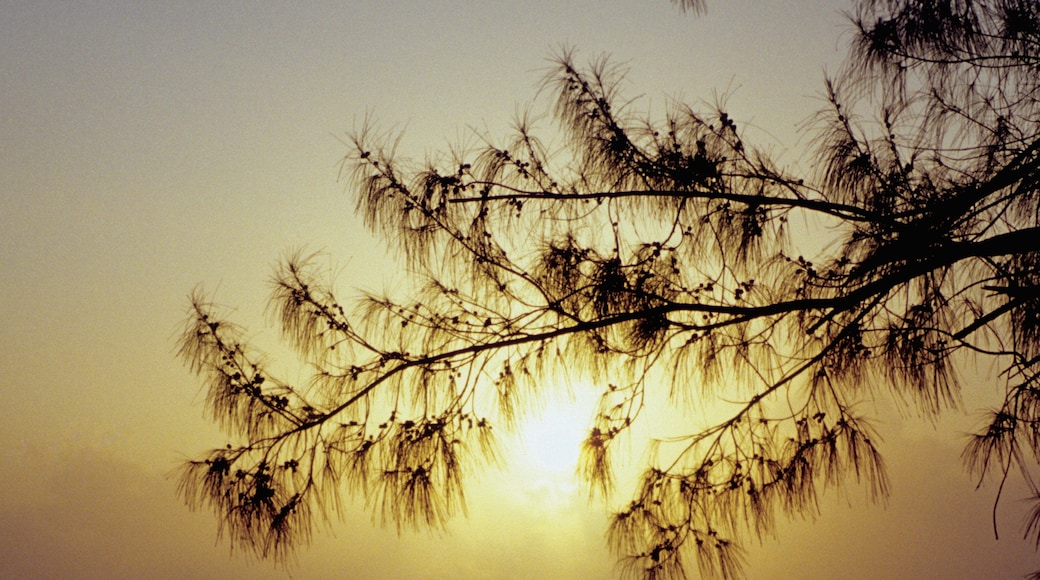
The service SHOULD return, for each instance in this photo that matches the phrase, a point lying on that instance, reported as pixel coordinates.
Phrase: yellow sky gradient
(146, 148)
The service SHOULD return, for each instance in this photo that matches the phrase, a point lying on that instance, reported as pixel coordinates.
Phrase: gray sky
(146, 148)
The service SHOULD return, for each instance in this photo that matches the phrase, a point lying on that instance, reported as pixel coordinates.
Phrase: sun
(544, 450)
(551, 440)
(545, 459)
(548, 441)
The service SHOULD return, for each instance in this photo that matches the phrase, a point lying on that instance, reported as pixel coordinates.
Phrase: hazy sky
(146, 148)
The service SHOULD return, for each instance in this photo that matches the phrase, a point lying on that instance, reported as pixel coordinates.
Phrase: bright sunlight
(553, 439)
(547, 443)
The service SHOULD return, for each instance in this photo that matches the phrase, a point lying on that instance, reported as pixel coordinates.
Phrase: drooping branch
(665, 260)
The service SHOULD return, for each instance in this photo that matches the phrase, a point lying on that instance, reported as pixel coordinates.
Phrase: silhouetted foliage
(695, 6)
(655, 257)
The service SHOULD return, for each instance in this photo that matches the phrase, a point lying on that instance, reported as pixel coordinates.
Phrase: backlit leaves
(677, 269)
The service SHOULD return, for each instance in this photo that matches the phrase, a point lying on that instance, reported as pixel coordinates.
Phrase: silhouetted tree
(655, 257)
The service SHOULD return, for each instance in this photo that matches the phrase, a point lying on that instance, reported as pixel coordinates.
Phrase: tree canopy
(654, 256)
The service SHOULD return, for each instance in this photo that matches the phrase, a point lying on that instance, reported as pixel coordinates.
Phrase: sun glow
(548, 444)
(552, 440)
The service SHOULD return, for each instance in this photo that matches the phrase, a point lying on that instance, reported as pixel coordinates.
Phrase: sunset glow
(551, 440)
(153, 148)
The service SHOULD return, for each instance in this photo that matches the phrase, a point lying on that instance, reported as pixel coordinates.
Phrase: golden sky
(146, 148)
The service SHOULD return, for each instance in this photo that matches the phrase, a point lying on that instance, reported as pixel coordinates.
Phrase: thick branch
(841, 210)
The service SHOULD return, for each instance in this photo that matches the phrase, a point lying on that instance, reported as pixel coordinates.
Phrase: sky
(147, 149)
